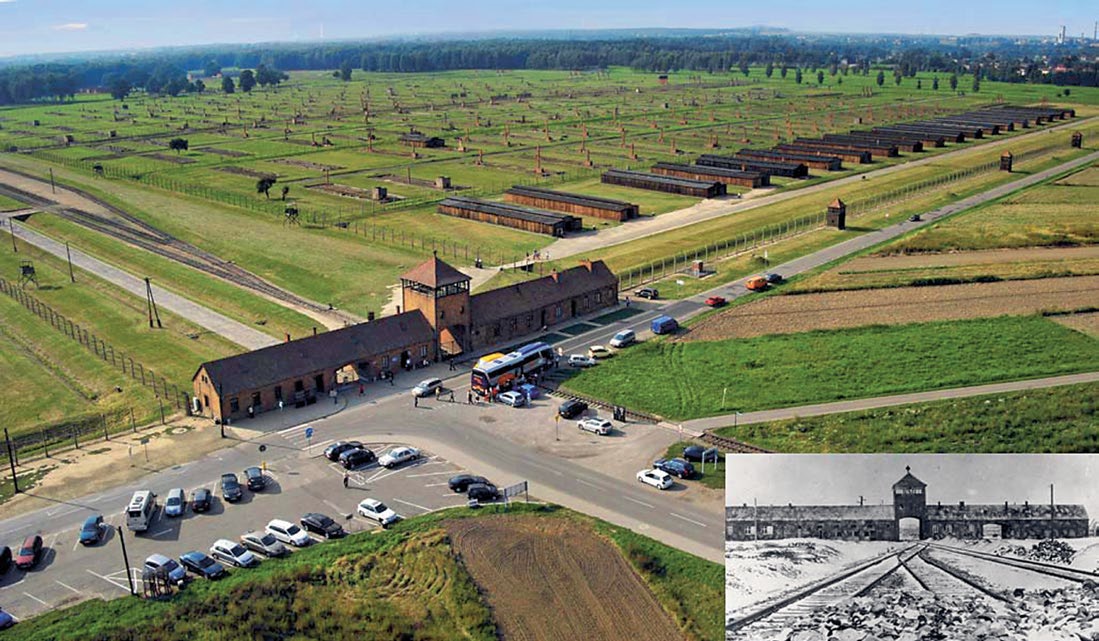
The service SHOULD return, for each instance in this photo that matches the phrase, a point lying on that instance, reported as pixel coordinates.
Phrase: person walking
(451, 396)
(415, 401)
(346, 478)
(391, 383)
(469, 397)
(362, 389)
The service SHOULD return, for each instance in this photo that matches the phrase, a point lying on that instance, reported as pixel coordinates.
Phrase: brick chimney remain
(586, 263)
(555, 276)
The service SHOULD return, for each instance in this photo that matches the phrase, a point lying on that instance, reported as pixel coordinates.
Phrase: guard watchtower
(441, 293)
(910, 501)
(1005, 161)
(837, 214)
(27, 273)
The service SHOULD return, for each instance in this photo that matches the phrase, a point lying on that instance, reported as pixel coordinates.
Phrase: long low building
(669, 184)
(783, 169)
(538, 221)
(750, 179)
(577, 204)
(821, 147)
(817, 161)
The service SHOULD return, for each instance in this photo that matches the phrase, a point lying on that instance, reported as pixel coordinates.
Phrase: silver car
(264, 543)
(176, 502)
(232, 553)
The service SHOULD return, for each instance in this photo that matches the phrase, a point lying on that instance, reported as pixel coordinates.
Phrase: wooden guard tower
(1077, 140)
(837, 214)
(1005, 161)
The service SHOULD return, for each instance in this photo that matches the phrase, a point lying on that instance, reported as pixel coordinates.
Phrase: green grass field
(684, 380)
(7, 204)
(404, 583)
(1059, 419)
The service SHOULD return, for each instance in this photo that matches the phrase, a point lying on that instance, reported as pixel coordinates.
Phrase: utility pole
(11, 460)
(151, 304)
(126, 560)
(11, 227)
(1052, 533)
(53, 187)
(70, 257)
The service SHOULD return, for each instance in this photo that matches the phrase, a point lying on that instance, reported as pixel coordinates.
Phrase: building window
(234, 405)
(462, 309)
(598, 297)
(442, 314)
(204, 379)
(514, 324)
(423, 351)
(385, 362)
(205, 400)
(278, 392)
(557, 312)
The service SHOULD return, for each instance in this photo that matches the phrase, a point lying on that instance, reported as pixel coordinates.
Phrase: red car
(715, 301)
(29, 553)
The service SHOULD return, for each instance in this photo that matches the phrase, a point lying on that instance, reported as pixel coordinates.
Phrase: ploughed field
(896, 306)
(543, 579)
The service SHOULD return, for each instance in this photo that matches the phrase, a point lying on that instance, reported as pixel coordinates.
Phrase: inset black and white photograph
(912, 547)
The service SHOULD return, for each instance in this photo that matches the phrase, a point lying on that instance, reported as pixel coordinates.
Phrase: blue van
(664, 325)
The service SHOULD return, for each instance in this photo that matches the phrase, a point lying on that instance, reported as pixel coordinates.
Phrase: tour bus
(503, 371)
(139, 513)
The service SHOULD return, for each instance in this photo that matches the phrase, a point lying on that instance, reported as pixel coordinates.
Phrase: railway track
(1066, 573)
(732, 445)
(938, 577)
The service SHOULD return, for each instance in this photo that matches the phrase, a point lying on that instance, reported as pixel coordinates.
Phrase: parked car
(255, 479)
(572, 408)
(675, 467)
(624, 338)
(230, 488)
(462, 482)
(175, 503)
(376, 510)
(202, 565)
(773, 278)
(599, 352)
(756, 283)
(427, 387)
(398, 455)
(650, 293)
(6, 620)
(93, 530)
(201, 500)
(482, 492)
(699, 453)
(30, 553)
(529, 390)
(357, 457)
(659, 479)
(599, 426)
(5, 559)
(333, 451)
(320, 524)
(233, 553)
(914, 218)
(716, 301)
(175, 571)
(580, 360)
(663, 325)
(287, 532)
(512, 398)
(264, 543)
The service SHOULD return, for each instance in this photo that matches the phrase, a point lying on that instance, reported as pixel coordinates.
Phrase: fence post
(45, 442)
(133, 423)
(106, 434)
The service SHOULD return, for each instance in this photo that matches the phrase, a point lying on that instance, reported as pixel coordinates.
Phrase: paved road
(703, 424)
(200, 315)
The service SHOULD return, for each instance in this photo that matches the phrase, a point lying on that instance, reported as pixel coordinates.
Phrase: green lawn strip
(9, 204)
(713, 477)
(1057, 419)
(690, 379)
(27, 480)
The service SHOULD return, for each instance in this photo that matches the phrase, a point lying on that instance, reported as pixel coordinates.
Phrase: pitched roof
(330, 350)
(909, 480)
(837, 203)
(508, 301)
(434, 273)
(1000, 511)
(810, 513)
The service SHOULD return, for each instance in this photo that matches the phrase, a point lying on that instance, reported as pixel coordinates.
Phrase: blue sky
(41, 26)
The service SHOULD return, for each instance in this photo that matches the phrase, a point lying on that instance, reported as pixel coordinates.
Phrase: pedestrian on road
(415, 401)
(345, 480)
(451, 396)
(469, 397)
(627, 302)
(438, 393)
(391, 383)
(362, 389)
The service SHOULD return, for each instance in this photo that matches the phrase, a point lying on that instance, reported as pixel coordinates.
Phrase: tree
(247, 80)
(345, 70)
(178, 145)
(211, 69)
(797, 75)
(953, 82)
(198, 86)
(770, 69)
(935, 83)
(897, 75)
(119, 87)
(881, 78)
(285, 191)
(264, 185)
(782, 72)
(227, 84)
(976, 84)
(919, 83)
(820, 77)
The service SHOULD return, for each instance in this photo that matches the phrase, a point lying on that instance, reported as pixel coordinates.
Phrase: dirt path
(834, 310)
(1087, 323)
(544, 580)
(981, 257)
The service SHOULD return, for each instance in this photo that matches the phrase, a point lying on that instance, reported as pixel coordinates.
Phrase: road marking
(324, 443)
(65, 585)
(678, 516)
(291, 429)
(333, 506)
(76, 543)
(31, 596)
(636, 501)
(413, 505)
(111, 581)
(412, 476)
(164, 531)
(436, 484)
(587, 483)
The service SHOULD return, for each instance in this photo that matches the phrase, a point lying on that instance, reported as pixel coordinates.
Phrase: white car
(233, 553)
(659, 479)
(427, 387)
(287, 532)
(599, 352)
(599, 426)
(623, 338)
(579, 360)
(514, 399)
(175, 503)
(378, 511)
(398, 455)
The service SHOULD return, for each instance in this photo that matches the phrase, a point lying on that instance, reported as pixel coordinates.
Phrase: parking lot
(69, 572)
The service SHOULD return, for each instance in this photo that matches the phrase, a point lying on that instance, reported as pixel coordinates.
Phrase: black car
(321, 524)
(699, 453)
(201, 500)
(462, 482)
(773, 278)
(914, 218)
(359, 456)
(5, 559)
(254, 477)
(202, 565)
(675, 467)
(482, 492)
(572, 408)
(648, 292)
(230, 488)
(333, 451)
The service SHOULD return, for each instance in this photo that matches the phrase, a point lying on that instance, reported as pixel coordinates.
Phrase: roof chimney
(314, 330)
(554, 275)
(587, 264)
(287, 337)
(961, 503)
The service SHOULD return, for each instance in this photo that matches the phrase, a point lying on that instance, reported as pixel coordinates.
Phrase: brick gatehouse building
(438, 319)
(910, 517)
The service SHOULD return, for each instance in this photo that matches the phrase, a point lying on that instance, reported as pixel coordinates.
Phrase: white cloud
(69, 26)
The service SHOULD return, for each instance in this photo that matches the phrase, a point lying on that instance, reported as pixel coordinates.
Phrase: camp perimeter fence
(658, 269)
(170, 397)
(71, 433)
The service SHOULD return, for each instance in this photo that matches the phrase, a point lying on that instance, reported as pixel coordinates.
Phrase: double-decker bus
(502, 371)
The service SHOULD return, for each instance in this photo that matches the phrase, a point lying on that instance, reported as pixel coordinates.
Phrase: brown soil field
(1087, 323)
(895, 306)
(979, 257)
(550, 579)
